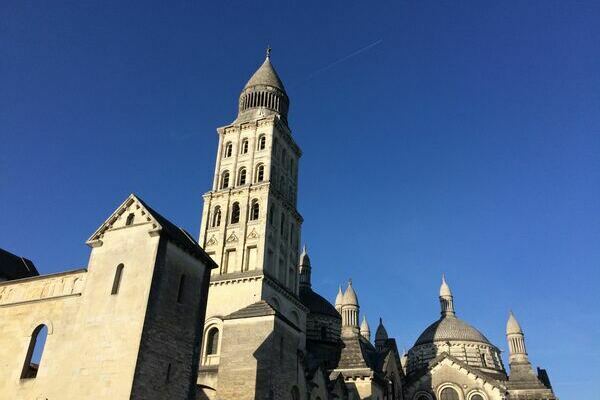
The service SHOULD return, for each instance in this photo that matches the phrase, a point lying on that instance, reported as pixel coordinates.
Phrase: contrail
(341, 60)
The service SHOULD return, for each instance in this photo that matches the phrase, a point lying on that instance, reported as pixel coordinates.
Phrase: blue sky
(458, 137)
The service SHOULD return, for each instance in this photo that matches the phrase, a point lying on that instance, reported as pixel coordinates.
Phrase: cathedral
(156, 314)
(269, 335)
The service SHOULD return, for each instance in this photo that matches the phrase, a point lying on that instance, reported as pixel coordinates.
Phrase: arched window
(244, 146)
(272, 214)
(228, 150)
(260, 173)
(225, 180)
(262, 142)
(34, 352)
(216, 218)
(130, 219)
(323, 332)
(212, 342)
(235, 213)
(295, 393)
(449, 394)
(254, 210)
(117, 279)
(242, 176)
(476, 397)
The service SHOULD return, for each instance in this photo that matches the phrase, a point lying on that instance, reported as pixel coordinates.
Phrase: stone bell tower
(251, 229)
(250, 222)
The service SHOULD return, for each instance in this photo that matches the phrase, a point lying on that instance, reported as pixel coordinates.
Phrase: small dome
(339, 299)
(451, 329)
(350, 298)
(512, 325)
(381, 334)
(265, 75)
(444, 288)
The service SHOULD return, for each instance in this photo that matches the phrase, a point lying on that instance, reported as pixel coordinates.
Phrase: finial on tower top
(350, 281)
(268, 51)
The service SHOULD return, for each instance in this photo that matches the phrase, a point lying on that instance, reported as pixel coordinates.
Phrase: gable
(133, 212)
(446, 368)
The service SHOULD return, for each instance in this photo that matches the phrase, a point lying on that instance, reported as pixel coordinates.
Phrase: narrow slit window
(180, 290)
(117, 279)
(168, 376)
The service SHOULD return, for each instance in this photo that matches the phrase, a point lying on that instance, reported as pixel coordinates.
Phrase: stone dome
(265, 75)
(263, 95)
(317, 304)
(350, 298)
(450, 329)
(512, 325)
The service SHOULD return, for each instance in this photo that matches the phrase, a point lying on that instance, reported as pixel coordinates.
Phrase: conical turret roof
(266, 75)
(381, 334)
(339, 299)
(512, 325)
(444, 288)
(365, 330)
(350, 297)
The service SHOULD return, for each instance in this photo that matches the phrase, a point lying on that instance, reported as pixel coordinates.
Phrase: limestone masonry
(156, 315)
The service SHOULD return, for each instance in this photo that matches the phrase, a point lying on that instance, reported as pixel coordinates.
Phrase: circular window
(477, 397)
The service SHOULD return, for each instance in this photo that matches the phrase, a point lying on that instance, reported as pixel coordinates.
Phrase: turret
(381, 335)
(517, 353)
(339, 300)
(365, 331)
(304, 268)
(264, 94)
(446, 299)
(350, 309)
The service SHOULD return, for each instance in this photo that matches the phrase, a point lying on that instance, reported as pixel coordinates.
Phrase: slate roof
(450, 328)
(179, 236)
(358, 353)
(259, 309)
(15, 267)
(316, 303)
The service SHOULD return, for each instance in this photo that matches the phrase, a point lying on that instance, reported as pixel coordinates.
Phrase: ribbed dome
(450, 329)
(265, 75)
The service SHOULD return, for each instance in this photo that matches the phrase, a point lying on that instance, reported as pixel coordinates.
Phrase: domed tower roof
(444, 288)
(350, 298)
(263, 95)
(265, 75)
(304, 258)
(339, 299)
(365, 330)
(512, 325)
(450, 329)
(381, 334)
